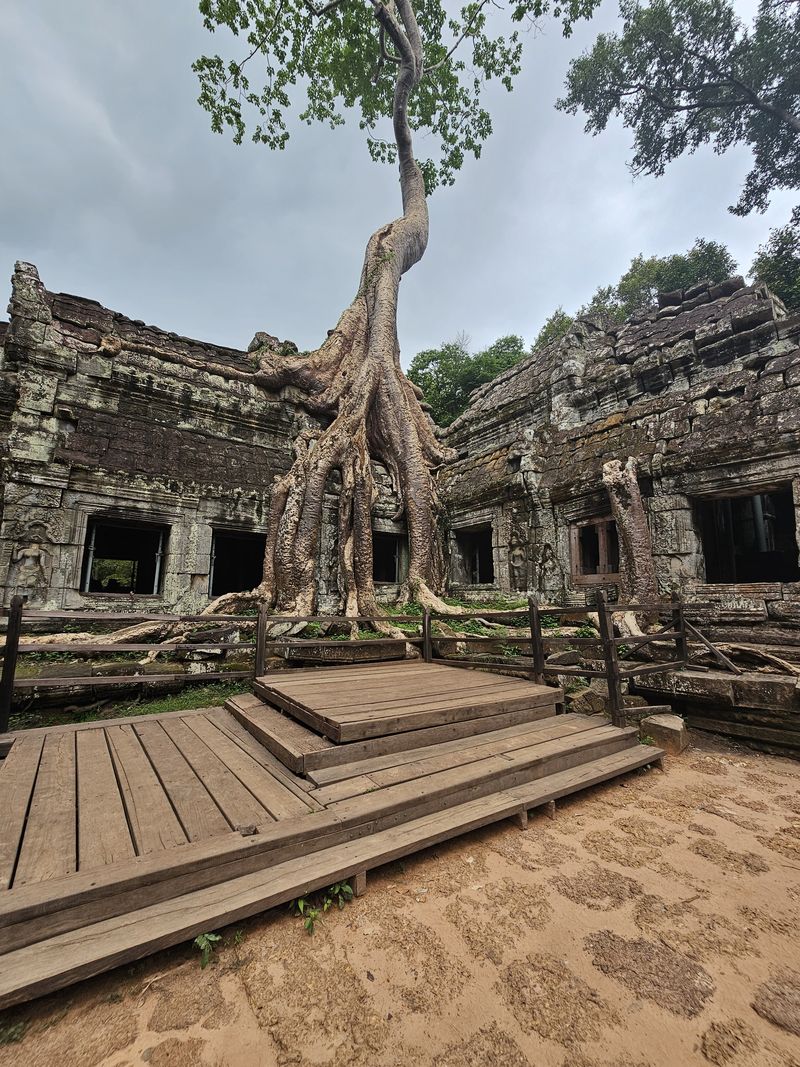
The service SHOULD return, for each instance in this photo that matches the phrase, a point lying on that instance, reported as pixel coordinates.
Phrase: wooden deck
(360, 702)
(75, 798)
(122, 837)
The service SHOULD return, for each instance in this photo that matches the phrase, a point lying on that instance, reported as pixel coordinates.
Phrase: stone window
(594, 548)
(237, 561)
(474, 558)
(749, 538)
(389, 558)
(123, 557)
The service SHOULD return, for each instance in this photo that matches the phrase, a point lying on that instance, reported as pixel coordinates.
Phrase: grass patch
(11, 1032)
(200, 696)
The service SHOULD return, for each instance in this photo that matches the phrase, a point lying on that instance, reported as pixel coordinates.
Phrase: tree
(441, 373)
(777, 262)
(448, 374)
(384, 61)
(683, 73)
(554, 328)
(639, 286)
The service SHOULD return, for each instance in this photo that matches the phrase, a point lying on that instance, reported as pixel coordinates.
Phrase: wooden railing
(678, 630)
(15, 646)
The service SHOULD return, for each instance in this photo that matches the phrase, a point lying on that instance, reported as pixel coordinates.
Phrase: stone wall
(704, 392)
(103, 421)
(104, 417)
(101, 418)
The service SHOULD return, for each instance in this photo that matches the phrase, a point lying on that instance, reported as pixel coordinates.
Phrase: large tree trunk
(353, 382)
(638, 583)
(355, 379)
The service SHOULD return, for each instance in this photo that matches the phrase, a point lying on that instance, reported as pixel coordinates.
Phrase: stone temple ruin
(131, 478)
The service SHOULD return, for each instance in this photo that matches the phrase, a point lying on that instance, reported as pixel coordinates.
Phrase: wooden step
(420, 796)
(303, 751)
(423, 762)
(400, 699)
(281, 735)
(69, 957)
(56, 906)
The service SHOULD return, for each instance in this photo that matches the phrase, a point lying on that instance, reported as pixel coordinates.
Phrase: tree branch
(465, 33)
(318, 12)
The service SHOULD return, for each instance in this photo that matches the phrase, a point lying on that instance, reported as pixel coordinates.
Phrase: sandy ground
(654, 922)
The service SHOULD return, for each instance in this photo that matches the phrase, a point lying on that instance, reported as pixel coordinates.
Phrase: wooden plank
(272, 794)
(48, 843)
(17, 777)
(70, 957)
(110, 646)
(327, 775)
(278, 733)
(367, 708)
(330, 669)
(103, 833)
(356, 729)
(335, 755)
(153, 822)
(651, 668)
(348, 787)
(237, 733)
(366, 695)
(102, 681)
(496, 772)
(562, 727)
(237, 803)
(95, 724)
(133, 616)
(361, 675)
(198, 813)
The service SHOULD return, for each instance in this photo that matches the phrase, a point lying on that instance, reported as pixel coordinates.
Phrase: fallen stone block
(668, 731)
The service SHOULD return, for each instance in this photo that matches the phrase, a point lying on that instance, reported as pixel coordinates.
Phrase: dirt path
(654, 922)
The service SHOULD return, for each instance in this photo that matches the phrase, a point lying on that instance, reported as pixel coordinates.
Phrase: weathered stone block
(667, 731)
(766, 691)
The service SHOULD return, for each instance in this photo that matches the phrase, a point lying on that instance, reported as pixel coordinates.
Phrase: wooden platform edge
(31, 913)
(67, 958)
(304, 762)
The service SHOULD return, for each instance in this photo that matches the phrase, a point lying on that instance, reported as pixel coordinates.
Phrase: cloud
(111, 181)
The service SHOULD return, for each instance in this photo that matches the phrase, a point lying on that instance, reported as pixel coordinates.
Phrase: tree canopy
(448, 374)
(777, 262)
(639, 286)
(683, 73)
(321, 61)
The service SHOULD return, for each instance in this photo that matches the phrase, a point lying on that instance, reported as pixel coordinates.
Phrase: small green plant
(585, 630)
(313, 629)
(623, 650)
(10, 1033)
(511, 650)
(576, 683)
(647, 740)
(339, 894)
(549, 622)
(310, 908)
(206, 944)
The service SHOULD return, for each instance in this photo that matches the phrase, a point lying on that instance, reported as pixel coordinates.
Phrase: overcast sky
(113, 185)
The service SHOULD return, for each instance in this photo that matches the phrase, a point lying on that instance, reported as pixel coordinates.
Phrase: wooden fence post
(615, 702)
(10, 661)
(427, 641)
(537, 642)
(261, 642)
(679, 625)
